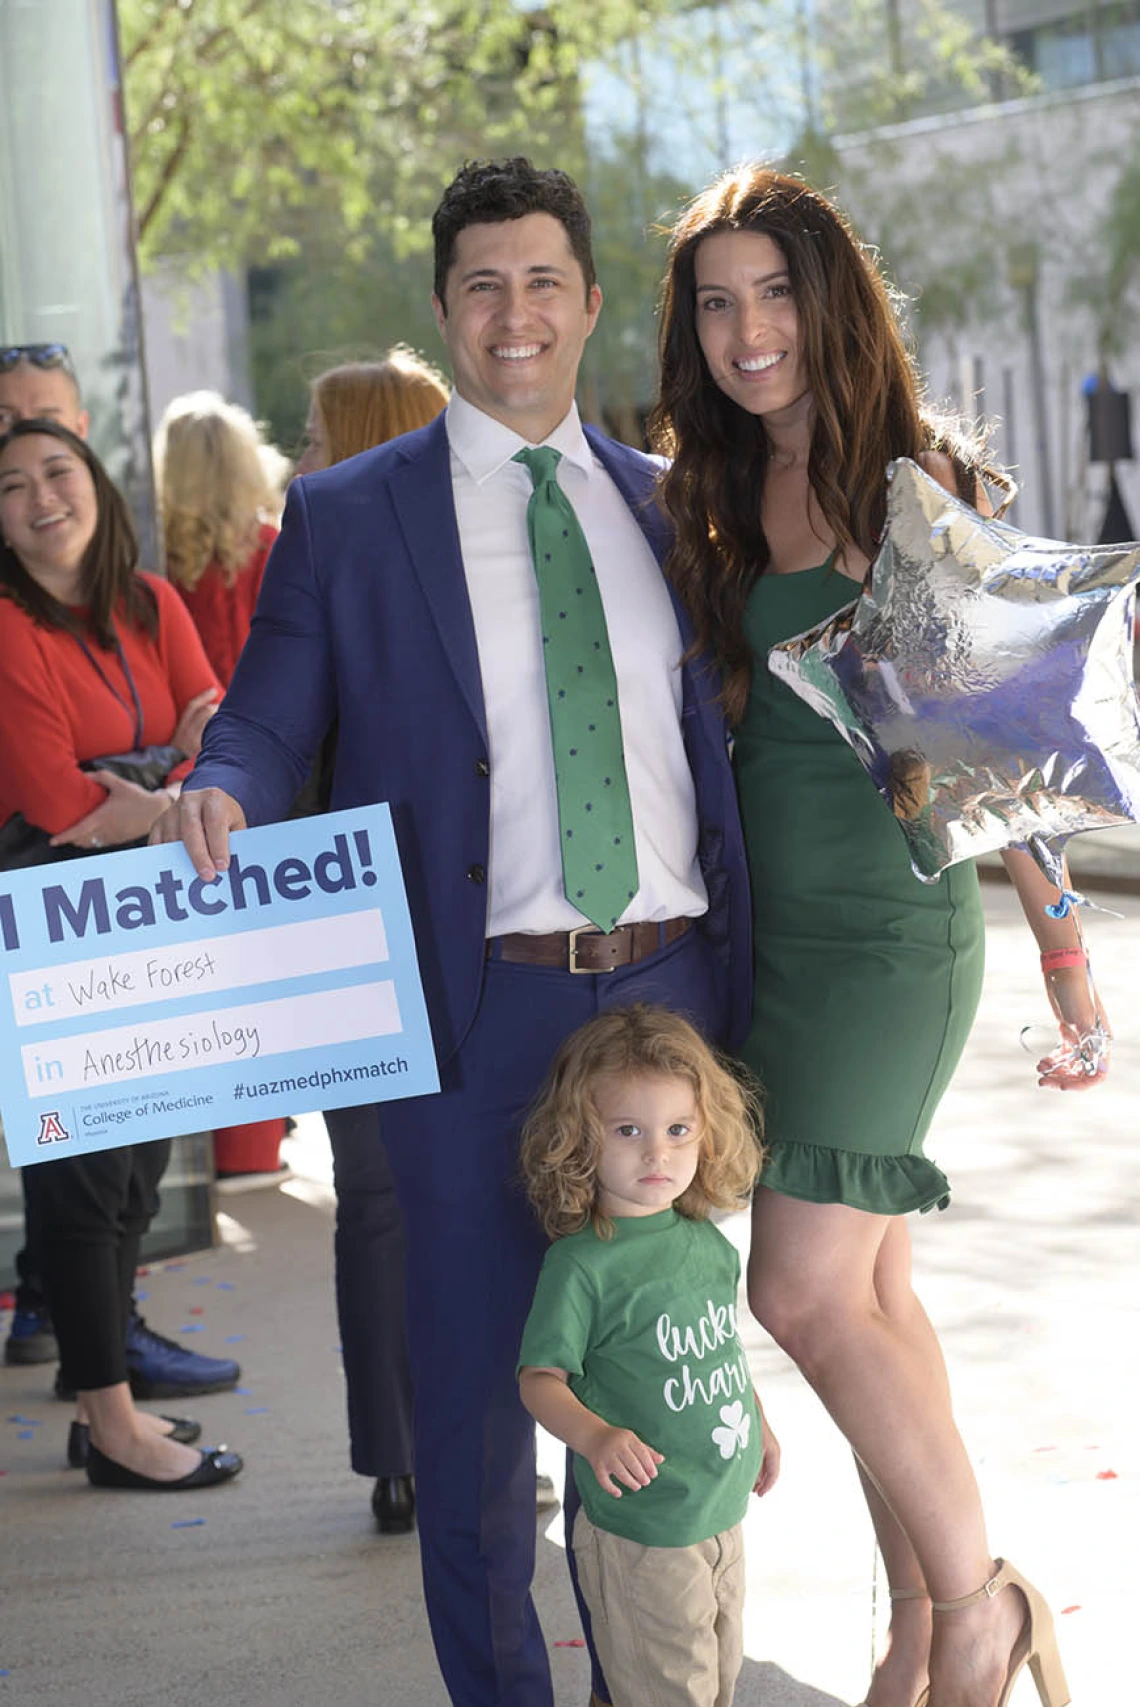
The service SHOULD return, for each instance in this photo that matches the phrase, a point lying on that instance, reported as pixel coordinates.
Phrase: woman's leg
(88, 1207)
(812, 1283)
(902, 1672)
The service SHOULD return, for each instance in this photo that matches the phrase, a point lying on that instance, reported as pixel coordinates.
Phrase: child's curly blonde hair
(562, 1136)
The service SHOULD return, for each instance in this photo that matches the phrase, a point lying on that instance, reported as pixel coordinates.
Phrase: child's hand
(619, 1453)
(769, 1464)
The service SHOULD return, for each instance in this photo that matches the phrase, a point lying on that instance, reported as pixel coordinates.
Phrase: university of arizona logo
(52, 1129)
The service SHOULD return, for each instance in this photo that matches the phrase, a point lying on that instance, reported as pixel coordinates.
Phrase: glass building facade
(68, 275)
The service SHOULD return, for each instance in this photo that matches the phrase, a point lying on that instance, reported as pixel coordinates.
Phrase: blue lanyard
(107, 683)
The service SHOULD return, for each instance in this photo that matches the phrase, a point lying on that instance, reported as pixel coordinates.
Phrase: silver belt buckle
(572, 949)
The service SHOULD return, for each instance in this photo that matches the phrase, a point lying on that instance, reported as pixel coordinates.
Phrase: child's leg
(661, 1614)
(728, 1587)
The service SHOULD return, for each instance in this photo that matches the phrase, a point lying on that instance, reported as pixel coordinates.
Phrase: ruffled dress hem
(881, 1185)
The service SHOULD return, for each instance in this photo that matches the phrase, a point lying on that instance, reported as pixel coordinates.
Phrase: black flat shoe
(185, 1431)
(394, 1505)
(213, 1467)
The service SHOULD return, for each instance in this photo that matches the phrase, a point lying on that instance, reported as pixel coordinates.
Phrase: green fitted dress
(866, 979)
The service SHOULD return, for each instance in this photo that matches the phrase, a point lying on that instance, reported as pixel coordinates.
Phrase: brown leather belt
(587, 949)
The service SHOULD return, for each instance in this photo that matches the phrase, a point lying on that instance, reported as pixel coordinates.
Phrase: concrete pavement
(275, 1592)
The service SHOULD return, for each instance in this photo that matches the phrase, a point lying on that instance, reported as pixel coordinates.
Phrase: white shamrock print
(733, 1437)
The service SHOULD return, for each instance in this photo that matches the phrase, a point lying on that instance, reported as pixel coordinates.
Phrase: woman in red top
(215, 495)
(95, 659)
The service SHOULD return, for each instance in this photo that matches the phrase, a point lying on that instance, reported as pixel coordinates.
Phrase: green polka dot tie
(595, 819)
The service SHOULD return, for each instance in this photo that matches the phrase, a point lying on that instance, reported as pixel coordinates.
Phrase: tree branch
(169, 168)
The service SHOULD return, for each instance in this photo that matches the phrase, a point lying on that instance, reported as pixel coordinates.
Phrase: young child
(630, 1353)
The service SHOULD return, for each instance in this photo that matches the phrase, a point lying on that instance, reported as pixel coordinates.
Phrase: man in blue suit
(402, 599)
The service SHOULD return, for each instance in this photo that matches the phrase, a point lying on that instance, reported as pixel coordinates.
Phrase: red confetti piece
(1044, 1449)
(574, 1642)
(196, 1310)
(1065, 1609)
(1107, 1476)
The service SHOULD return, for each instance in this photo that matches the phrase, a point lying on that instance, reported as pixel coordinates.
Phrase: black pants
(370, 1294)
(29, 1286)
(91, 1213)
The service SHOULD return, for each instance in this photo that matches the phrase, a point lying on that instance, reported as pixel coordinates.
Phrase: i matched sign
(139, 1001)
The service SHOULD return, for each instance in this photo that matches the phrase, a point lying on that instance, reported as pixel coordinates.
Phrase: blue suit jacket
(364, 615)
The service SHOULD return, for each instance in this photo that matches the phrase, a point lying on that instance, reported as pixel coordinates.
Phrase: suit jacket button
(482, 768)
(477, 873)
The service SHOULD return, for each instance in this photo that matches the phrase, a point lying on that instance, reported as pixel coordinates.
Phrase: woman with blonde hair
(217, 501)
(351, 409)
(361, 404)
(216, 498)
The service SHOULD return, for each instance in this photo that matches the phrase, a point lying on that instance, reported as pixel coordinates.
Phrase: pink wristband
(1054, 959)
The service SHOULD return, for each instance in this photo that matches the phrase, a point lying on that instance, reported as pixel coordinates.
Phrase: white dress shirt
(525, 866)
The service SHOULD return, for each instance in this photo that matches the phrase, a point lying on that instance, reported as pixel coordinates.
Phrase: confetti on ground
(143, 1270)
(243, 1392)
(28, 1422)
(574, 1642)
(1044, 1449)
(1107, 1476)
(196, 1310)
(3, 1472)
(1065, 1609)
(188, 1523)
(190, 1328)
(202, 1280)
(226, 1286)
(24, 1434)
(172, 1267)
(141, 1296)
(256, 1410)
(232, 1339)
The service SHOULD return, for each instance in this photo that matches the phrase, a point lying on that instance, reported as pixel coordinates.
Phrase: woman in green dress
(786, 390)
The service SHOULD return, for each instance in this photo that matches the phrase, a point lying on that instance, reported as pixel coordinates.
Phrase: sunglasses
(40, 355)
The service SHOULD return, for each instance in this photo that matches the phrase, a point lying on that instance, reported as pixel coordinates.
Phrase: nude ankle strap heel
(1035, 1646)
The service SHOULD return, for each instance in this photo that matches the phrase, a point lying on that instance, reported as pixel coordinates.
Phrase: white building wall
(958, 203)
(196, 336)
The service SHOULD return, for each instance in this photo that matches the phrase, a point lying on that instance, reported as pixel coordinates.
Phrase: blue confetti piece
(191, 1328)
(27, 1422)
(226, 1286)
(232, 1339)
(256, 1410)
(244, 1392)
(24, 1434)
(188, 1523)
(203, 1280)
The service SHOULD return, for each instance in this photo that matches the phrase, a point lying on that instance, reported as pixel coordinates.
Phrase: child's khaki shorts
(667, 1621)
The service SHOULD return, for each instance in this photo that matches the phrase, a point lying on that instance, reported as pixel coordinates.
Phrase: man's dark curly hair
(489, 192)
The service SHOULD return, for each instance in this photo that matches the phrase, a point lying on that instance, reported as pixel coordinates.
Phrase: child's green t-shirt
(645, 1327)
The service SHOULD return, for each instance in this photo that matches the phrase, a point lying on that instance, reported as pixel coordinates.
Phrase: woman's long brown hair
(867, 397)
(109, 580)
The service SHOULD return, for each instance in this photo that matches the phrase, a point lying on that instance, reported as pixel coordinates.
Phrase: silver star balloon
(984, 678)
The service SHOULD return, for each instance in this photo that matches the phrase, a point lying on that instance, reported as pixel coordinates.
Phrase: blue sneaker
(31, 1338)
(162, 1369)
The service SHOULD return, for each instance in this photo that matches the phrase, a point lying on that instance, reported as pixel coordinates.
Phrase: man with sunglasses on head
(38, 381)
